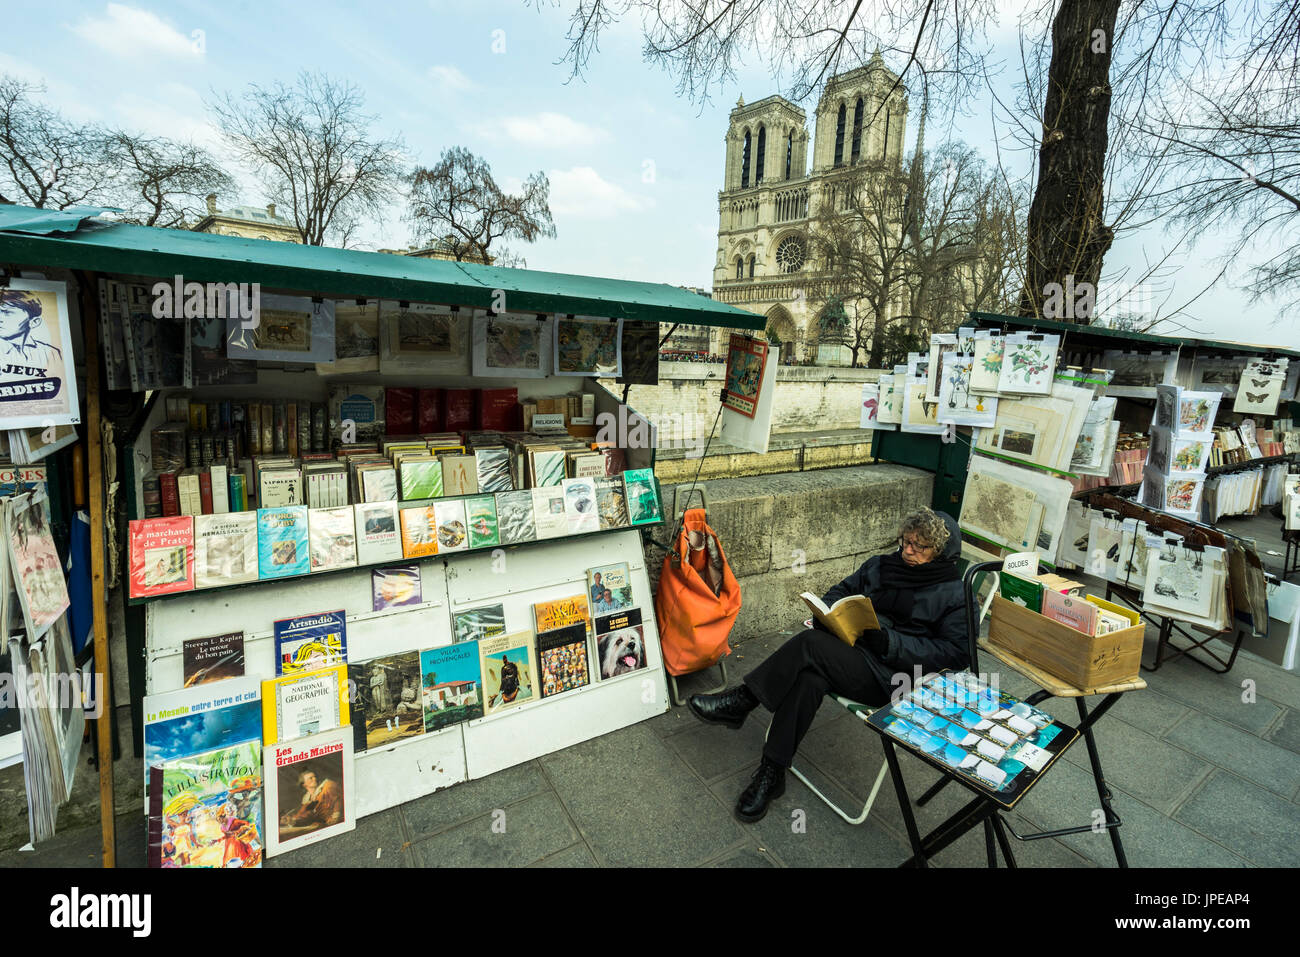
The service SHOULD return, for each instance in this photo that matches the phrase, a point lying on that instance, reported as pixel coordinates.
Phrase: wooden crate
(1072, 656)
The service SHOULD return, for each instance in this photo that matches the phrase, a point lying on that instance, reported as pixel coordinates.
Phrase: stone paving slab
(442, 809)
(1259, 761)
(576, 855)
(523, 833)
(1152, 770)
(1251, 821)
(1286, 732)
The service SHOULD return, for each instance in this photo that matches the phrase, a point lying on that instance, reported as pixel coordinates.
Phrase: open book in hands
(847, 618)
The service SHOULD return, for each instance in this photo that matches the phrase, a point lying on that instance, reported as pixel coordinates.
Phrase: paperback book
(642, 496)
(548, 512)
(611, 503)
(394, 708)
(201, 718)
(459, 474)
(422, 478)
(549, 615)
(453, 536)
(609, 588)
(509, 671)
(562, 658)
(213, 658)
(620, 643)
(486, 621)
(302, 703)
(493, 467)
(308, 642)
(333, 538)
(451, 685)
(419, 531)
(515, 523)
(309, 790)
(162, 556)
(205, 810)
(282, 539)
(396, 586)
(378, 538)
(481, 517)
(580, 506)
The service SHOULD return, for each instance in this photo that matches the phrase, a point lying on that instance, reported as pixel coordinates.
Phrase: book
(200, 718)
(481, 518)
(213, 658)
(509, 671)
(390, 688)
(378, 537)
(1026, 592)
(187, 484)
(396, 586)
(419, 531)
(278, 487)
(642, 496)
(356, 414)
(307, 642)
(378, 483)
(549, 615)
(487, 621)
(309, 790)
(169, 493)
(453, 536)
(548, 512)
(562, 659)
(333, 534)
(1079, 613)
(300, 703)
(609, 588)
(205, 492)
(220, 488)
(225, 549)
(459, 474)
(422, 478)
(580, 505)
(493, 468)
(515, 521)
(451, 685)
(847, 618)
(546, 467)
(282, 540)
(611, 503)
(620, 643)
(205, 810)
(162, 556)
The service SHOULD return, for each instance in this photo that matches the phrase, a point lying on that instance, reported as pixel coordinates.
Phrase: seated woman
(919, 598)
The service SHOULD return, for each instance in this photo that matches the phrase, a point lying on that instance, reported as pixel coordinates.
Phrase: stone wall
(803, 531)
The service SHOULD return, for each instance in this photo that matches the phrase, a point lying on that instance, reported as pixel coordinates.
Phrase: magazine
(37, 571)
(302, 703)
(451, 685)
(202, 718)
(309, 790)
(390, 688)
(610, 588)
(308, 642)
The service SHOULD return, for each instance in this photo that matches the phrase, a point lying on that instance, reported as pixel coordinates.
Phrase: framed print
(38, 377)
(288, 329)
(420, 338)
(512, 344)
(588, 346)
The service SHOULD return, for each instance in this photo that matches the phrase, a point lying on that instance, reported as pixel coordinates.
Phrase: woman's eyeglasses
(914, 545)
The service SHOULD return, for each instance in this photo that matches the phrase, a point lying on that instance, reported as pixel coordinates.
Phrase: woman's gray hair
(928, 526)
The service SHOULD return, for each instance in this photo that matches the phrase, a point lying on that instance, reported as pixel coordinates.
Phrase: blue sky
(634, 168)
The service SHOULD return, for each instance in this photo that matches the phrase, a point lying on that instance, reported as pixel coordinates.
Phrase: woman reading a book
(919, 602)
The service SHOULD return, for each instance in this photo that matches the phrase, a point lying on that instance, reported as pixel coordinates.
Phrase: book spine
(267, 418)
(169, 493)
(291, 428)
(254, 419)
(205, 491)
(220, 489)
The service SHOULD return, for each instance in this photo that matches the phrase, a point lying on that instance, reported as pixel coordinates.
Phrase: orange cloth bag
(698, 598)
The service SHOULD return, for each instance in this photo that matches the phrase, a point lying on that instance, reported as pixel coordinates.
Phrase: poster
(588, 345)
(37, 571)
(746, 362)
(38, 379)
(417, 337)
(516, 345)
(287, 329)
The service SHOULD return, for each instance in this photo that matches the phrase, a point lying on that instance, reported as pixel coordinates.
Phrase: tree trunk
(1067, 236)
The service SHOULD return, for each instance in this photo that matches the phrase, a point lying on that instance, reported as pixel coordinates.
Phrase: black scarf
(900, 581)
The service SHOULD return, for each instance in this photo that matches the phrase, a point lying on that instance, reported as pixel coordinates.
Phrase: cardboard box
(1077, 659)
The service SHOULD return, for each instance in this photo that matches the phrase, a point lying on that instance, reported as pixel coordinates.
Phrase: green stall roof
(1106, 338)
(43, 238)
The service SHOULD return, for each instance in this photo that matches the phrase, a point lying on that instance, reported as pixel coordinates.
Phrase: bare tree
(458, 203)
(160, 182)
(45, 161)
(312, 149)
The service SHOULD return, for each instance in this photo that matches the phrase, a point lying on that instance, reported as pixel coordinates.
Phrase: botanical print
(957, 404)
(987, 369)
(587, 345)
(941, 345)
(890, 409)
(870, 409)
(918, 414)
(1029, 363)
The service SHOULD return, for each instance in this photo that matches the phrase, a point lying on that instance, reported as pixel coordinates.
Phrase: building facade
(770, 194)
(249, 222)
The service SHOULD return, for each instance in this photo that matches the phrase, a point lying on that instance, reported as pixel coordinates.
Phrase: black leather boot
(767, 784)
(728, 708)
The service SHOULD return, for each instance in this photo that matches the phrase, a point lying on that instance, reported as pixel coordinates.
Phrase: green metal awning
(99, 246)
(1106, 338)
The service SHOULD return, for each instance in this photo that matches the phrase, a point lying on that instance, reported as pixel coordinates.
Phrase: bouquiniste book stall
(386, 524)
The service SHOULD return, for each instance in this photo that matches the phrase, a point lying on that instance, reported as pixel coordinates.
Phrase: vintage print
(38, 382)
(746, 362)
(588, 345)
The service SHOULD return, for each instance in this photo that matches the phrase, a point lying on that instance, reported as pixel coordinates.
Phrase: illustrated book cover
(205, 810)
(509, 668)
(213, 658)
(282, 542)
(333, 534)
(451, 685)
(309, 790)
(201, 718)
(305, 702)
(162, 556)
(562, 659)
(396, 586)
(378, 537)
(307, 642)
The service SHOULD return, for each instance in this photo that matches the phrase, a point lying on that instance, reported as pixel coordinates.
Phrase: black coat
(935, 637)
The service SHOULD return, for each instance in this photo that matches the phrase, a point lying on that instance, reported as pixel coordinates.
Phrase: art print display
(287, 329)
(512, 344)
(1140, 370)
(396, 587)
(1052, 497)
(1133, 553)
(941, 344)
(1221, 374)
(1183, 579)
(1196, 412)
(588, 346)
(38, 379)
(208, 362)
(1028, 364)
(889, 410)
(205, 810)
(309, 790)
(1189, 454)
(986, 368)
(1260, 388)
(958, 405)
(356, 339)
(420, 338)
(746, 364)
(869, 414)
(1165, 415)
(509, 668)
(37, 570)
(393, 702)
(1105, 541)
(918, 414)
(998, 510)
(451, 685)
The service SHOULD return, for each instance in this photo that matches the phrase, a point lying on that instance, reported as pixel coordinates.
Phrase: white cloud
(132, 32)
(449, 79)
(581, 193)
(545, 129)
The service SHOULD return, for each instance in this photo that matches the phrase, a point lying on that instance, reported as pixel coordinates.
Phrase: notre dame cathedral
(769, 192)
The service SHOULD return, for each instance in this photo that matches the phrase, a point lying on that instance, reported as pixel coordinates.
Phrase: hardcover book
(309, 790)
(609, 588)
(419, 531)
(306, 702)
(1025, 592)
(611, 503)
(282, 542)
(378, 537)
(185, 828)
(225, 549)
(562, 659)
(580, 506)
(515, 522)
(201, 718)
(642, 496)
(620, 643)
(509, 669)
(307, 642)
(547, 467)
(481, 517)
(453, 536)
(390, 687)
(333, 538)
(487, 621)
(162, 556)
(493, 467)
(378, 483)
(396, 586)
(549, 615)
(548, 512)
(277, 487)
(451, 685)
(459, 474)
(421, 478)
(213, 658)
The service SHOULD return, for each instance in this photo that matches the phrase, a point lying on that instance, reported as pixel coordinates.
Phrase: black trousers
(793, 680)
